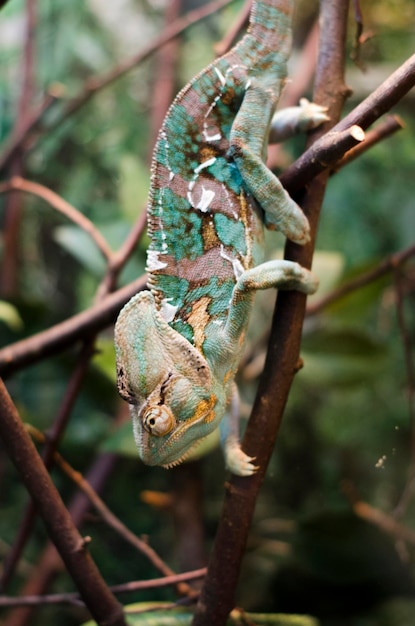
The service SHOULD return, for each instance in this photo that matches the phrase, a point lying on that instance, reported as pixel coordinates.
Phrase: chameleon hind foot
(237, 461)
(300, 119)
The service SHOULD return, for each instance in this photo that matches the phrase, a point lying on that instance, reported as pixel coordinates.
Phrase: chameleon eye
(158, 421)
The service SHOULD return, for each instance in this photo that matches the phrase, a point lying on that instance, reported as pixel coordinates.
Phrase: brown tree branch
(390, 125)
(55, 433)
(221, 47)
(18, 136)
(389, 93)
(75, 598)
(63, 335)
(49, 564)
(107, 515)
(71, 546)
(13, 208)
(385, 522)
(218, 592)
(164, 82)
(95, 84)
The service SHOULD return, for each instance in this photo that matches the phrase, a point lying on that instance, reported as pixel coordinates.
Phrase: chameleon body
(178, 345)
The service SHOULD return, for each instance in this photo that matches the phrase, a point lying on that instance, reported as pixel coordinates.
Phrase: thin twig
(13, 206)
(385, 522)
(59, 204)
(389, 93)
(382, 131)
(295, 88)
(107, 515)
(49, 564)
(32, 113)
(127, 248)
(18, 137)
(229, 39)
(95, 84)
(386, 266)
(130, 587)
(165, 76)
(63, 335)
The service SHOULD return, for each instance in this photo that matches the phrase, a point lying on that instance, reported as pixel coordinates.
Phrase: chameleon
(178, 344)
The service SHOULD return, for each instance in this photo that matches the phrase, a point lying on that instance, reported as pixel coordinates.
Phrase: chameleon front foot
(237, 461)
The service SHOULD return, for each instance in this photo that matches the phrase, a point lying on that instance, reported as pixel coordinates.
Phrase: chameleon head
(167, 382)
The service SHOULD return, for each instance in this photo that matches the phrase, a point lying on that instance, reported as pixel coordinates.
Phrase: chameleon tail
(270, 25)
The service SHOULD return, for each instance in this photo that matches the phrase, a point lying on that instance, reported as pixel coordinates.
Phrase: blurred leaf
(121, 441)
(104, 358)
(354, 306)
(341, 356)
(10, 316)
(79, 244)
(338, 546)
(396, 612)
(86, 431)
(328, 267)
(133, 186)
(341, 566)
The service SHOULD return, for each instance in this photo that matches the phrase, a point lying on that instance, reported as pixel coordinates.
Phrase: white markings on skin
(220, 76)
(216, 137)
(237, 266)
(205, 164)
(207, 195)
(205, 200)
(211, 133)
(153, 261)
(168, 310)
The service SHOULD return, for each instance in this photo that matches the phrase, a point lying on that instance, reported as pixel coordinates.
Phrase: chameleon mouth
(174, 450)
(184, 451)
(184, 456)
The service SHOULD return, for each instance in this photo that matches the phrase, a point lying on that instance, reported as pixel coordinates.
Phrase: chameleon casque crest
(178, 345)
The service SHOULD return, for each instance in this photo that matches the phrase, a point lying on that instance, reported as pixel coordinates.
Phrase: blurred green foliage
(347, 418)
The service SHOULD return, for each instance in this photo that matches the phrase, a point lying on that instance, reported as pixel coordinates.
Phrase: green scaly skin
(178, 345)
